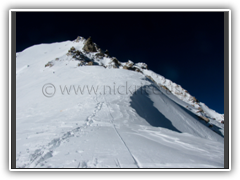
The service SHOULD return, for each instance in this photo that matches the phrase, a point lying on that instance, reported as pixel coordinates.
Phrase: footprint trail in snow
(47, 151)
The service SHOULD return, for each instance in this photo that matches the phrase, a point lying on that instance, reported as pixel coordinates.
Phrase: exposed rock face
(195, 100)
(89, 46)
(99, 49)
(129, 65)
(106, 52)
(141, 65)
(203, 118)
(90, 63)
(113, 64)
(79, 38)
(116, 62)
(138, 70)
(76, 53)
(200, 110)
(149, 77)
(164, 87)
(50, 64)
(99, 55)
(72, 50)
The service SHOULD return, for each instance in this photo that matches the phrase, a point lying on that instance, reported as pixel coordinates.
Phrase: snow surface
(121, 128)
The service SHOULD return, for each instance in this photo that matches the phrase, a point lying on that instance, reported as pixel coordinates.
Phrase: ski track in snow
(21, 70)
(120, 137)
(117, 163)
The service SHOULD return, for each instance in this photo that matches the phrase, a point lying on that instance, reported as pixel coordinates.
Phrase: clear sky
(185, 47)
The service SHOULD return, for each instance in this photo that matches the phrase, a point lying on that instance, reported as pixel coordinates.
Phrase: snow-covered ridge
(85, 52)
(194, 105)
(96, 56)
(106, 130)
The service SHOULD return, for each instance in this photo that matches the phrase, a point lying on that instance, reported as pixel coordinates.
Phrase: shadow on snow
(143, 105)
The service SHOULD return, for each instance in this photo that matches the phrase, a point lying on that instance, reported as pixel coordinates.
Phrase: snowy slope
(188, 101)
(116, 125)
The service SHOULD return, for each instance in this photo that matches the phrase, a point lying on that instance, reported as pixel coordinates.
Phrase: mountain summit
(79, 107)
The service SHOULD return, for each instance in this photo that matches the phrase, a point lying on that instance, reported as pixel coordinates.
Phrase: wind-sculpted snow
(183, 95)
(128, 121)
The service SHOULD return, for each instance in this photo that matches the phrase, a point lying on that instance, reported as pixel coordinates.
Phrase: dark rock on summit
(116, 62)
(99, 55)
(195, 100)
(106, 52)
(89, 46)
(79, 38)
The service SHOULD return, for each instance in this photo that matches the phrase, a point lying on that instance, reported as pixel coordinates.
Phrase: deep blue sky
(185, 47)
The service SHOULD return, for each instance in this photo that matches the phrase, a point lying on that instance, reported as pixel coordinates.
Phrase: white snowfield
(126, 121)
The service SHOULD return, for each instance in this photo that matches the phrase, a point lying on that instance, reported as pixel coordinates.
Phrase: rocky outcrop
(164, 87)
(203, 118)
(149, 77)
(106, 53)
(141, 65)
(79, 38)
(200, 110)
(128, 65)
(195, 100)
(49, 64)
(90, 63)
(77, 54)
(116, 62)
(89, 46)
(138, 70)
(71, 50)
(99, 55)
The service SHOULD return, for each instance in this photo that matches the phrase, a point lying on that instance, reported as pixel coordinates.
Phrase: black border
(13, 90)
(226, 90)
